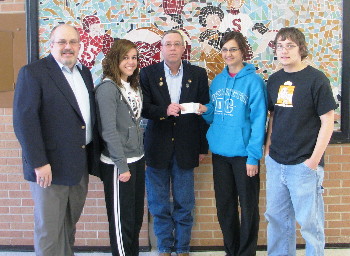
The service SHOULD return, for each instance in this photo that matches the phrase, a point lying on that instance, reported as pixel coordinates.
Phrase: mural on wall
(202, 23)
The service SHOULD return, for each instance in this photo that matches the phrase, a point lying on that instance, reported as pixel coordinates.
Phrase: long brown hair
(110, 63)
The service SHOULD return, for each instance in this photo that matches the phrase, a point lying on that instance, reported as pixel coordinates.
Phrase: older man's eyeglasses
(176, 45)
(64, 42)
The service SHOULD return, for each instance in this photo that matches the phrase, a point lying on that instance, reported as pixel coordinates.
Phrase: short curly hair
(294, 35)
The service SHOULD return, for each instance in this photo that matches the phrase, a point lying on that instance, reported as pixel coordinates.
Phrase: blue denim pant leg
(172, 227)
(183, 197)
(304, 203)
(281, 236)
(158, 196)
(306, 190)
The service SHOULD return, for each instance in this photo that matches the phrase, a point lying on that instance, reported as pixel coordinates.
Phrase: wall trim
(30, 248)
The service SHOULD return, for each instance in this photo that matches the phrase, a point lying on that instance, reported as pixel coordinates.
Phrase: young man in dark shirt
(301, 123)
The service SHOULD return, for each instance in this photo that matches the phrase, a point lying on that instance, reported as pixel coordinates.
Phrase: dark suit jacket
(184, 135)
(49, 125)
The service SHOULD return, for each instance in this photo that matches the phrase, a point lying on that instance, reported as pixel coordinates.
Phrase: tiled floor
(329, 252)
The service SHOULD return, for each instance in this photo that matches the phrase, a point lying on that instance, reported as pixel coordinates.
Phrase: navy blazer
(49, 125)
(184, 136)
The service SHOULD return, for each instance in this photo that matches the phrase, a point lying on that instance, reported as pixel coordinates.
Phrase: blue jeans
(294, 193)
(172, 225)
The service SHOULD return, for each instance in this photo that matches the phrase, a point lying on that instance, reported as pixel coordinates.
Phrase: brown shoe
(164, 254)
(183, 254)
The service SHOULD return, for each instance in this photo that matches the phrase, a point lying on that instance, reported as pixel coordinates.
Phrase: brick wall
(16, 206)
(12, 6)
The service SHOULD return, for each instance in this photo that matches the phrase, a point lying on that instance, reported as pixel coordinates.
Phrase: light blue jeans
(172, 225)
(294, 193)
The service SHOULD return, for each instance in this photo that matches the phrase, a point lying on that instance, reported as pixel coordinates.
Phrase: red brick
(9, 111)
(102, 218)
(207, 210)
(96, 226)
(339, 159)
(27, 202)
(14, 161)
(10, 202)
(15, 178)
(345, 232)
(346, 167)
(94, 210)
(23, 241)
(96, 194)
(345, 216)
(5, 226)
(11, 233)
(346, 150)
(97, 242)
(202, 234)
(10, 218)
(4, 210)
(28, 218)
(9, 127)
(89, 218)
(86, 234)
(339, 175)
(6, 120)
(105, 234)
(20, 194)
(22, 226)
(339, 224)
(12, 144)
(204, 186)
(204, 202)
(330, 167)
(12, 8)
(332, 216)
(339, 192)
(22, 210)
(333, 150)
(209, 226)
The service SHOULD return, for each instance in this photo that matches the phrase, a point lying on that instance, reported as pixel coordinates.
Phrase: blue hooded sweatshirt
(237, 114)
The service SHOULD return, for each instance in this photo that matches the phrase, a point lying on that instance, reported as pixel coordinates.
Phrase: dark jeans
(171, 226)
(125, 219)
(233, 185)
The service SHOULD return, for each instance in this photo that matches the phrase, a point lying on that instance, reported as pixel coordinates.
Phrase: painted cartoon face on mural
(213, 21)
(96, 30)
(234, 4)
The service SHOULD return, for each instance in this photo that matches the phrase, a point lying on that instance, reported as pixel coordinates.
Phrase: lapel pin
(188, 84)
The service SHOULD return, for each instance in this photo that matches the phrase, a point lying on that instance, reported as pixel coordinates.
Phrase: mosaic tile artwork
(202, 23)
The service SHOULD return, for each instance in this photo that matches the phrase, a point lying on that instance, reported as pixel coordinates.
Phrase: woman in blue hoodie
(237, 115)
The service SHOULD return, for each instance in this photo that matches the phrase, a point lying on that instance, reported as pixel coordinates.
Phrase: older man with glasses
(54, 121)
(175, 141)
